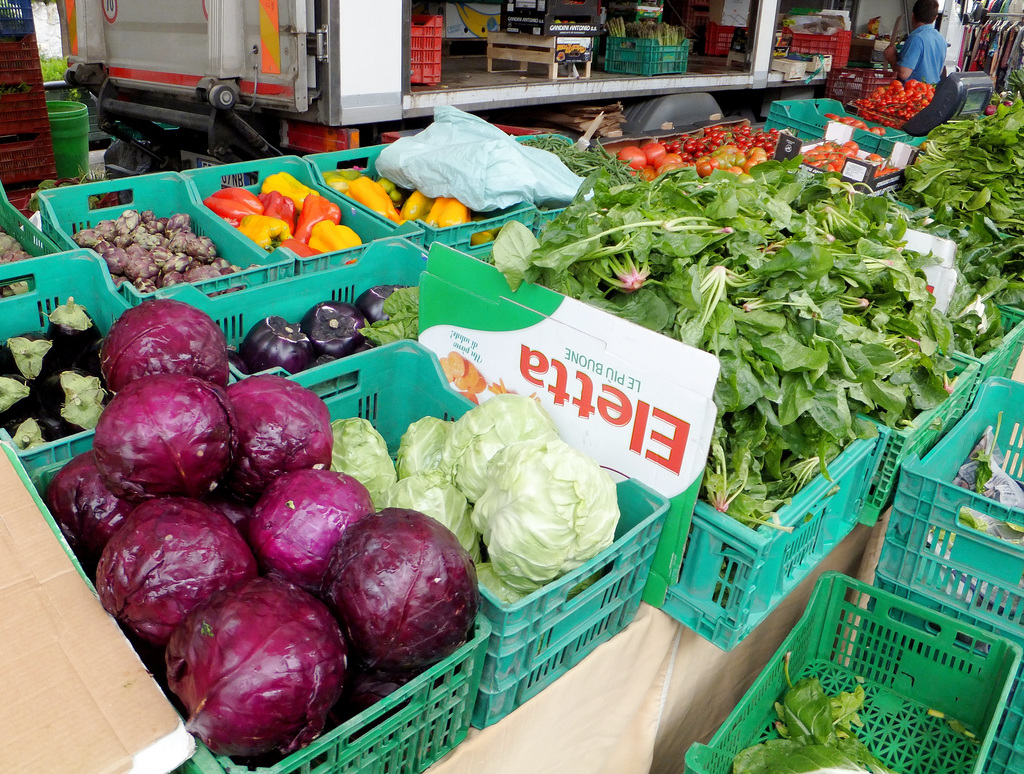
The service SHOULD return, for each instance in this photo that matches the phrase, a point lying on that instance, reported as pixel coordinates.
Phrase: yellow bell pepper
(481, 238)
(338, 179)
(417, 206)
(288, 186)
(372, 194)
(328, 236)
(447, 212)
(265, 231)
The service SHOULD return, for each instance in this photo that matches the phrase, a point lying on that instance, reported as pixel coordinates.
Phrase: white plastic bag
(463, 156)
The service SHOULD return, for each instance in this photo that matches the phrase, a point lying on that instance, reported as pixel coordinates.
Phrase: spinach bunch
(800, 286)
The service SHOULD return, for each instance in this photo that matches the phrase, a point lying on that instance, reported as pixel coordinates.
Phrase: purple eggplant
(72, 331)
(73, 397)
(31, 354)
(371, 301)
(334, 328)
(88, 359)
(274, 342)
(236, 362)
(16, 403)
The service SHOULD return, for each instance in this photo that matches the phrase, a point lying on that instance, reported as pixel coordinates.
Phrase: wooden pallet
(526, 50)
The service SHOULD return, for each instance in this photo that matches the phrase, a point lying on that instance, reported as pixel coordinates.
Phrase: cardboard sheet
(76, 697)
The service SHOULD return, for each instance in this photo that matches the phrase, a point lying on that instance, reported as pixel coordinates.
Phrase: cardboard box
(638, 402)
(568, 49)
(729, 13)
(859, 170)
(551, 17)
(77, 697)
(470, 20)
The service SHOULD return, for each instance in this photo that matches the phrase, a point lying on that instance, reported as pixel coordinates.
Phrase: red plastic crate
(837, 45)
(19, 62)
(425, 49)
(717, 39)
(847, 84)
(695, 20)
(24, 112)
(27, 158)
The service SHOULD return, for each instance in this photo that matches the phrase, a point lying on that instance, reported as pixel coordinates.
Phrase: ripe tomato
(669, 165)
(654, 152)
(672, 157)
(736, 170)
(704, 167)
(633, 156)
(649, 173)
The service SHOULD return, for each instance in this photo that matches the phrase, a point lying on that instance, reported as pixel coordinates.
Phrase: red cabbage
(258, 668)
(238, 513)
(298, 520)
(86, 511)
(170, 555)
(165, 435)
(164, 336)
(281, 426)
(403, 588)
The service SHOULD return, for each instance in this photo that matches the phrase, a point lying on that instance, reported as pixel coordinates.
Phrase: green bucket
(69, 127)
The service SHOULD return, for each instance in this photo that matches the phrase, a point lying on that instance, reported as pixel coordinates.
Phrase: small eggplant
(27, 434)
(30, 353)
(274, 342)
(72, 331)
(53, 428)
(75, 397)
(16, 402)
(334, 328)
(88, 359)
(371, 301)
(322, 360)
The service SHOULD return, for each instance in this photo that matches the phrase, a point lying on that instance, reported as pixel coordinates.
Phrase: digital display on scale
(976, 100)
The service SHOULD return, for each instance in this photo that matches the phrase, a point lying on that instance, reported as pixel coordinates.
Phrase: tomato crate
(425, 49)
(27, 157)
(40, 285)
(929, 549)
(20, 58)
(918, 669)
(69, 209)
(643, 56)
(847, 84)
(365, 159)
(1006, 756)
(837, 45)
(925, 431)
(24, 112)
(733, 576)
(14, 224)
(717, 39)
(16, 19)
(806, 119)
(388, 261)
(1002, 360)
(250, 175)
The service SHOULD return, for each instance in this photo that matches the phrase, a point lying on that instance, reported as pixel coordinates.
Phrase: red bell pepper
(315, 208)
(233, 204)
(301, 249)
(277, 205)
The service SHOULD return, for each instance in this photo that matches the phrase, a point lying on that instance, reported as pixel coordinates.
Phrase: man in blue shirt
(924, 52)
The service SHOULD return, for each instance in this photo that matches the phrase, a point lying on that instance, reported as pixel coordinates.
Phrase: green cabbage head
(486, 429)
(432, 492)
(361, 452)
(420, 447)
(546, 510)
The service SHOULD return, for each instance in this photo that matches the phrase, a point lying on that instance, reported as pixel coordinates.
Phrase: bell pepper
(447, 212)
(265, 231)
(372, 194)
(328, 236)
(417, 206)
(301, 249)
(277, 205)
(338, 179)
(393, 191)
(289, 186)
(481, 238)
(233, 204)
(315, 209)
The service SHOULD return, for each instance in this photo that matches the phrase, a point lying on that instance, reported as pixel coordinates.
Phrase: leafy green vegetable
(802, 288)
(361, 452)
(432, 492)
(420, 446)
(403, 310)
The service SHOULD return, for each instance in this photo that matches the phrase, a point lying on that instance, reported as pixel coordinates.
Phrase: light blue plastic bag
(463, 156)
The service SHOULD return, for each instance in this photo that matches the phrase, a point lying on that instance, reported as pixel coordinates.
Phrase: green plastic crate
(908, 659)
(18, 226)
(928, 550)
(456, 236)
(387, 261)
(806, 119)
(69, 209)
(47, 283)
(1002, 360)
(1006, 756)
(733, 576)
(929, 426)
(643, 56)
(250, 175)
